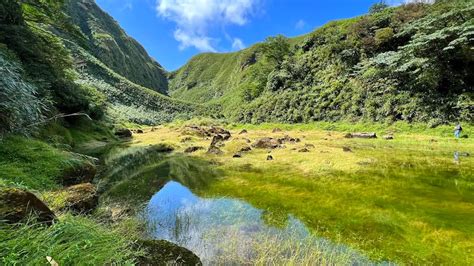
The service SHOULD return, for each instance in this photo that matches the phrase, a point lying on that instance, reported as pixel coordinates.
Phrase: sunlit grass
(404, 200)
(71, 241)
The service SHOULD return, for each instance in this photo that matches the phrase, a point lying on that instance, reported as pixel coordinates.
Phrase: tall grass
(72, 241)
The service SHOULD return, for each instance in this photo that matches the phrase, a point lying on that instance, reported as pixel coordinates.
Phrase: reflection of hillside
(134, 175)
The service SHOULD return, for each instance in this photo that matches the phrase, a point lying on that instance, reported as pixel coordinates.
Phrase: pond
(407, 200)
(226, 230)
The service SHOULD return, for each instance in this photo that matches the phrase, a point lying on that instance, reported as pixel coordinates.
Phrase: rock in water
(18, 205)
(162, 252)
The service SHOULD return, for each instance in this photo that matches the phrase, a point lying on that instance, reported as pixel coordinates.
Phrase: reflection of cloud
(194, 18)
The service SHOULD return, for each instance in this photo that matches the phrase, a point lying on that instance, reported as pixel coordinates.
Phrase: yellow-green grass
(404, 200)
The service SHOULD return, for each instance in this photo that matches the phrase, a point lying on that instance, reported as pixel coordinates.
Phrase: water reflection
(232, 231)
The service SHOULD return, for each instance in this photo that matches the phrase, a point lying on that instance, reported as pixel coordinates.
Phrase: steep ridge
(410, 63)
(71, 62)
(112, 46)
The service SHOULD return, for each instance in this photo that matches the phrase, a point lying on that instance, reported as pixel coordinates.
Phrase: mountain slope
(111, 45)
(411, 63)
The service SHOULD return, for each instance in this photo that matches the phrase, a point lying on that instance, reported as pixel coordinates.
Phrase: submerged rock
(18, 205)
(193, 149)
(266, 143)
(162, 252)
(362, 135)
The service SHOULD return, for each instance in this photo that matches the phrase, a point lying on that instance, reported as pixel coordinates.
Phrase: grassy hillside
(408, 63)
(54, 63)
(111, 45)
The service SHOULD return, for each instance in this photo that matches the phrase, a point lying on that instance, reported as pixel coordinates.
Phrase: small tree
(276, 48)
(377, 7)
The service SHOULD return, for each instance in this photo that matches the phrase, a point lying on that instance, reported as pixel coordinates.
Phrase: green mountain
(412, 63)
(112, 46)
(68, 57)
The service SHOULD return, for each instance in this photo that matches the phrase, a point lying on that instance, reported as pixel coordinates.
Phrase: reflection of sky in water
(214, 227)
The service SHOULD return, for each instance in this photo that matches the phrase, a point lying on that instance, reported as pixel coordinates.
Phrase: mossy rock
(18, 205)
(162, 252)
(79, 174)
(81, 198)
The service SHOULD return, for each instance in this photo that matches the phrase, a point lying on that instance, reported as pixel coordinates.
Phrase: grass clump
(32, 164)
(71, 241)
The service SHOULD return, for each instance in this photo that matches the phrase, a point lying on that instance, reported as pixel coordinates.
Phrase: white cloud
(238, 44)
(195, 18)
(300, 24)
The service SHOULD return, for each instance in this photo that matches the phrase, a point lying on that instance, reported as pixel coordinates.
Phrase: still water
(225, 230)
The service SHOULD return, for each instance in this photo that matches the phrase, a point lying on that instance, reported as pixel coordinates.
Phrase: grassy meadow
(404, 200)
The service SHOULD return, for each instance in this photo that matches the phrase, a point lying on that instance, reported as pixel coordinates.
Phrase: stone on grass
(123, 133)
(18, 205)
(193, 149)
(266, 143)
(82, 198)
(361, 135)
(79, 174)
(269, 158)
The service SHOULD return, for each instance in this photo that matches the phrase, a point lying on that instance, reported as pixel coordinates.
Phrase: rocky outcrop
(79, 174)
(18, 205)
(266, 143)
(162, 252)
(363, 135)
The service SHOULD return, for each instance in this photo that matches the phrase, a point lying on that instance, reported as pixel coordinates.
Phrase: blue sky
(172, 31)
